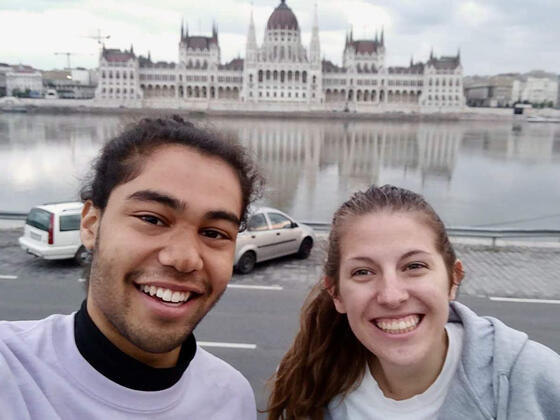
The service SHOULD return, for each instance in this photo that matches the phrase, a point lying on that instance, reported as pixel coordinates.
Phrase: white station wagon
(271, 234)
(52, 231)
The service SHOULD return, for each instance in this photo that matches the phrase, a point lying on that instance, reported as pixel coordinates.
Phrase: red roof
(199, 42)
(116, 55)
(365, 46)
(235, 64)
(282, 18)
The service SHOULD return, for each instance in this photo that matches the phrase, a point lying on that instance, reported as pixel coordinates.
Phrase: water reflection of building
(294, 154)
(534, 143)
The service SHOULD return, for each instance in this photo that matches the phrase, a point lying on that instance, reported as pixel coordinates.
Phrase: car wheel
(305, 248)
(247, 262)
(83, 256)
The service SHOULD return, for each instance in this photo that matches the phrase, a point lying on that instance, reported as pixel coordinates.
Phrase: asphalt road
(31, 288)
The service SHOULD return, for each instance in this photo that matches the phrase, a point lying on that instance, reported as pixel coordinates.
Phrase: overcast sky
(494, 36)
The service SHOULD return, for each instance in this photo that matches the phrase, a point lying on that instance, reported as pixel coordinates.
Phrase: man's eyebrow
(223, 215)
(151, 195)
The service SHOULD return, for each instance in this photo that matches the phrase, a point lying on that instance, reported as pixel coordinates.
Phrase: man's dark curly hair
(123, 157)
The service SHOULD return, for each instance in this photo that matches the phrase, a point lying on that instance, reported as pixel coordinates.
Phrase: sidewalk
(504, 271)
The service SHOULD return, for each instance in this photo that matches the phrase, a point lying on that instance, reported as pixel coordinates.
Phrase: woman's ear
(89, 225)
(458, 275)
(329, 286)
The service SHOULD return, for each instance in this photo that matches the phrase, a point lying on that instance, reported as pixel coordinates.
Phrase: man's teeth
(164, 294)
(398, 326)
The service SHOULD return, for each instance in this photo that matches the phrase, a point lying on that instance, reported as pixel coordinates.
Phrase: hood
(490, 350)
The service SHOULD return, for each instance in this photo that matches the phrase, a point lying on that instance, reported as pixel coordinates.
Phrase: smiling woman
(381, 335)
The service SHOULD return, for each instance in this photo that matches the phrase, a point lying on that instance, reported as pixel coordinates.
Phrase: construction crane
(99, 38)
(67, 54)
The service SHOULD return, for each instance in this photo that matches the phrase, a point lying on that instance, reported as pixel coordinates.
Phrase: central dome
(282, 18)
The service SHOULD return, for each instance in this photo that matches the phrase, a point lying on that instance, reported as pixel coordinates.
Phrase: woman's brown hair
(326, 359)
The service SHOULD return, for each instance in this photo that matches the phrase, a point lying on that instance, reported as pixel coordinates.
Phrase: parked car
(52, 231)
(271, 234)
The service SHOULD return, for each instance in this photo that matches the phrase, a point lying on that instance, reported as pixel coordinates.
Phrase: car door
(286, 237)
(259, 234)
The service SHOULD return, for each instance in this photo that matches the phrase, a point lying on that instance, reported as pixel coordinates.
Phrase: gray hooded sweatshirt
(502, 374)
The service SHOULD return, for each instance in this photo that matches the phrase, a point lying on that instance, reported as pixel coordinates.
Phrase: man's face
(163, 251)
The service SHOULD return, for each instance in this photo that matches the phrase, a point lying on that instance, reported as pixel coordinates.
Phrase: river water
(495, 174)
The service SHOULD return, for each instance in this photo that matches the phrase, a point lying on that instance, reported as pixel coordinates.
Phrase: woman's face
(395, 288)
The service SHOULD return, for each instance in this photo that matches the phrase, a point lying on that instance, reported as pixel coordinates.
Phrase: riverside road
(254, 323)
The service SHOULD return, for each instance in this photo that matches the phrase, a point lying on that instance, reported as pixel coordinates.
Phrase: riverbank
(88, 106)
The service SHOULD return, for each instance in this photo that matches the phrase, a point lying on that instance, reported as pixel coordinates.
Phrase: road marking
(227, 345)
(7, 277)
(522, 300)
(254, 287)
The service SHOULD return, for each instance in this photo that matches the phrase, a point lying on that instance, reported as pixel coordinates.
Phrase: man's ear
(329, 285)
(91, 216)
(458, 275)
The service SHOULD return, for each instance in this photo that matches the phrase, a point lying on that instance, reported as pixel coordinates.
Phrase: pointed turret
(315, 47)
(376, 37)
(251, 45)
(432, 54)
(411, 61)
(382, 41)
(182, 30)
(459, 55)
(131, 49)
(214, 31)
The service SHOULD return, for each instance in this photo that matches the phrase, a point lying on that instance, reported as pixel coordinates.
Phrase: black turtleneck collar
(119, 367)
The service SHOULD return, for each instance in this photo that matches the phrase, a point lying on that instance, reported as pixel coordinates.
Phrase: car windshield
(39, 218)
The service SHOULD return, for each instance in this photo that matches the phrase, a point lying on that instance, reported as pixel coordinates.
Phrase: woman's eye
(361, 272)
(151, 219)
(415, 266)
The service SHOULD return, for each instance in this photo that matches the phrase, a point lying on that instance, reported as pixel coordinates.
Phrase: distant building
(70, 84)
(280, 75)
(505, 90)
(22, 79)
(495, 91)
(537, 90)
(4, 68)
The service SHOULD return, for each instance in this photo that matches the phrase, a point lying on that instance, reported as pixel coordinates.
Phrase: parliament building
(280, 75)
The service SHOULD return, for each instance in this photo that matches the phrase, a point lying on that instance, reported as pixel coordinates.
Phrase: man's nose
(182, 252)
(391, 290)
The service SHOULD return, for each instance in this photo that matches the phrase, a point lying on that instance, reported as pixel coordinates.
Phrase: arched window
(282, 76)
(260, 75)
(275, 75)
(268, 75)
(289, 75)
(304, 77)
(297, 76)
(251, 78)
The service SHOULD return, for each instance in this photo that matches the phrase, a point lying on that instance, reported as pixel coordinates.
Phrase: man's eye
(151, 219)
(214, 234)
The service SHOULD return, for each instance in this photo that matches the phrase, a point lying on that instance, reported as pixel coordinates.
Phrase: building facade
(281, 74)
(22, 79)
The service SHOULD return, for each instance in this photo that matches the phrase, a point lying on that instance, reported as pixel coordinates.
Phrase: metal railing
(474, 232)
(13, 215)
(463, 231)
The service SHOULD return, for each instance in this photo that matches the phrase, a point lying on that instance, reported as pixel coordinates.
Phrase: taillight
(51, 229)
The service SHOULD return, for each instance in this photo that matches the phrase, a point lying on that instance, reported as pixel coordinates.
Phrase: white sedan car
(271, 234)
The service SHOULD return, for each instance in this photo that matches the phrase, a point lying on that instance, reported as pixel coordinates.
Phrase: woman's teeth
(398, 326)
